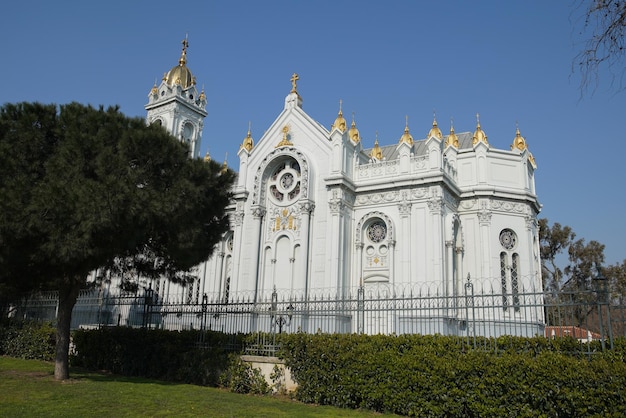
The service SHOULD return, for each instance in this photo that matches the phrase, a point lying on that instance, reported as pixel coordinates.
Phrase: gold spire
(180, 74)
(155, 89)
(435, 131)
(224, 164)
(285, 141)
(479, 134)
(202, 95)
(406, 136)
(340, 122)
(183, 56)
(376, 153)
(248, 142)
(353, 133)
(452, 140)
(207, 156)
(519, 142)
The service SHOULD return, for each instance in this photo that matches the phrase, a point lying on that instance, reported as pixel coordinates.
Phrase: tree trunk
(68, 293)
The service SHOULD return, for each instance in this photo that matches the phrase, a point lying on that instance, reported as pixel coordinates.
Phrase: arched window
(375, 257)
(509, 270)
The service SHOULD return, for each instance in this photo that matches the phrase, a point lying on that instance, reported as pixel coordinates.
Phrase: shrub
(443, 376)
(28, 340)
(241, 377)
(159, 354)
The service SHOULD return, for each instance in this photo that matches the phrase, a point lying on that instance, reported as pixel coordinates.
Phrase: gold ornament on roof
(377, 152)
(294, 79)
(248, 142)
(285, 141)
(519, 142)
(479, 134)
(435, 131)
(531, 158)
(180, 74)
(452, 140)
(353, 133)
(340, 122)
(406, 136)
(207, 156)
(224, 165)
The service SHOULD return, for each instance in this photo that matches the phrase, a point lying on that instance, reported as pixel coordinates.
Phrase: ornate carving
(306, 207)
(405, 209)
(336, 206)
(507, 206)
(238, 218)
(468, 204)
(258, 212)
(435, 204)
(531, 222)
(484, 214)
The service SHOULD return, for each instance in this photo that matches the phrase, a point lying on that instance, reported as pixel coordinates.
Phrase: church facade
(317, 212)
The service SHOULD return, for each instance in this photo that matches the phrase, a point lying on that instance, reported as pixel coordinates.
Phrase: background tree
(553, 241)
(82, 187)
(602, 25)
(572, 284)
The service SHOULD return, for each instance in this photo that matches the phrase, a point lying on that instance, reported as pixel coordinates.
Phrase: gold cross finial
(185, 43)
(294, 79)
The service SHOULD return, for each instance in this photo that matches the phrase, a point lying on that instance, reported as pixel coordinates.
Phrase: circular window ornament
(377, 231)
(284, 183)
(508, 239)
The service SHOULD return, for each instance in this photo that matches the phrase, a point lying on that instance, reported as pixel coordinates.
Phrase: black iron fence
(477, 311)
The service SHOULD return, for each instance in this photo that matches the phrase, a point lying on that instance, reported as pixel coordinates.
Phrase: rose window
(377, 231)
(284, 183)
(508, 239)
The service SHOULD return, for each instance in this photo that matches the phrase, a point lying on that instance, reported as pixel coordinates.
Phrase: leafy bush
(444, 376)
(159, 354)
(241, 377)
(28, 340)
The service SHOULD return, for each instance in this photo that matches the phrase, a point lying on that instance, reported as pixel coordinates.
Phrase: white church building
(316, 214)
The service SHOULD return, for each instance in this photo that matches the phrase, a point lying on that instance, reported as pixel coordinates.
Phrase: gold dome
(376, 153)
(353, 133)
(479, 134)
(452, 140)
(435, 131)
(519, 142)
(406, 136)
(180, 74)
(248, 142)
(207, 157)
(340, 122)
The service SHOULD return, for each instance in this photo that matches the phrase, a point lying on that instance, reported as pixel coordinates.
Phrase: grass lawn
(28, 389)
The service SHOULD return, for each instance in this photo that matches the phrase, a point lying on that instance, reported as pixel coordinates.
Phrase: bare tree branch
(602, 26)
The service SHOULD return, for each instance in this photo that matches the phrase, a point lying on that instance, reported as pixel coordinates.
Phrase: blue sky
(509, 61)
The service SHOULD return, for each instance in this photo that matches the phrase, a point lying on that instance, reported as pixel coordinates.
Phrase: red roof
(571, 331)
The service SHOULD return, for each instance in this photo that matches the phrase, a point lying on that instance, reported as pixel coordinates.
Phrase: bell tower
(176, 104)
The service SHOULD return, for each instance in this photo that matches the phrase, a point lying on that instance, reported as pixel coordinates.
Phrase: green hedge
(159, 354)
(444, 376)
(27, 340)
